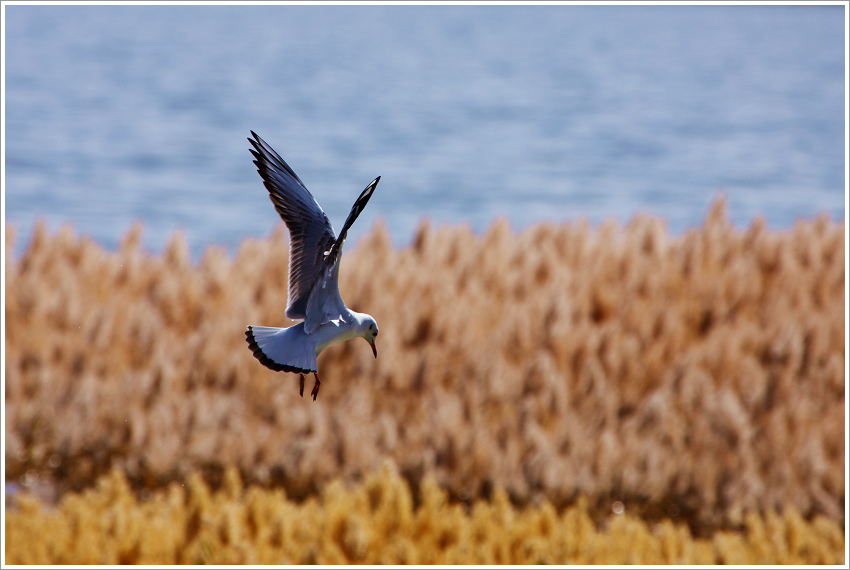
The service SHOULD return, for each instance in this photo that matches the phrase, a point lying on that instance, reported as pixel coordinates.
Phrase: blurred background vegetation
(599, 386)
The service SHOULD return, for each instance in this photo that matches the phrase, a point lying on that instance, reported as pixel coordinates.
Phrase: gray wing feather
(310, 231)
(325, 302)
(358, 206)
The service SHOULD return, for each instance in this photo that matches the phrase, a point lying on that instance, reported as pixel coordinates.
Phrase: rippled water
(123, 113)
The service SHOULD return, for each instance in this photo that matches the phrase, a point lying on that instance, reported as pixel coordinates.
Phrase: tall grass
(375, 523)
(700, 377)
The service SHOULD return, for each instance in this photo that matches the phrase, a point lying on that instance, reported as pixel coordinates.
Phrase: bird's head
(369, 331)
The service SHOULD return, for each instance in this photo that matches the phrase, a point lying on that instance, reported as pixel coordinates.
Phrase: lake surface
(123, 113)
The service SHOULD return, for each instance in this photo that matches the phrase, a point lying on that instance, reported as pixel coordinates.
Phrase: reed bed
(699, 378)
(375, 523)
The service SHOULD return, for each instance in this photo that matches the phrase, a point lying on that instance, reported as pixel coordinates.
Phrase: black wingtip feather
(268, 158)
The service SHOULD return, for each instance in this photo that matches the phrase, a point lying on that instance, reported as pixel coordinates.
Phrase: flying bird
(314, 254)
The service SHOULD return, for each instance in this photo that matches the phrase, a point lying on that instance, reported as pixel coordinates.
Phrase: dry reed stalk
(700, 376)
(375, 522)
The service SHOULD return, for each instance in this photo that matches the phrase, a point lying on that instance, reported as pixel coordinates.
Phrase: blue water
(123, 113)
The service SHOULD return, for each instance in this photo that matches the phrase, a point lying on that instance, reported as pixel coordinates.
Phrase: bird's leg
(315, 387)
(301, 390)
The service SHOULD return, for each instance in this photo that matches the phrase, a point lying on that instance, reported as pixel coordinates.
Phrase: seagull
(313, 276)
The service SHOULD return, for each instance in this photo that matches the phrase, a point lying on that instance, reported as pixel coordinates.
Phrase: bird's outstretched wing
(310, 232)
(324, 302)
(358, 206)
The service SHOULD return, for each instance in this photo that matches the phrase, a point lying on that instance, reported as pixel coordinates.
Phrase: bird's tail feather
(283, 350)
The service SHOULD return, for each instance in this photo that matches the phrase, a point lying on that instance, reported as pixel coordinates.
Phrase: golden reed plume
(698, 377)
(375, 522)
